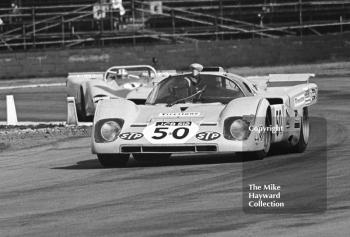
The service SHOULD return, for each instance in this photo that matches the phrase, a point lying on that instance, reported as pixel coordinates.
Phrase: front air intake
(169, 149)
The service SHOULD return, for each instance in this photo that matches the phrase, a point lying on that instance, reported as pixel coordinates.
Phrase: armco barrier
(252, 52)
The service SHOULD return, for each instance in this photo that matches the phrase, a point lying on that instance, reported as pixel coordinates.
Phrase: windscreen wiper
(189, 97)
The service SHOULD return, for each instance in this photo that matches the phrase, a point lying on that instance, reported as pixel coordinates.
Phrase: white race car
(208, 112)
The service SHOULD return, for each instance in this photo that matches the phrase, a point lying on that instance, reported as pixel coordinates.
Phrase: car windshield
(203, 88)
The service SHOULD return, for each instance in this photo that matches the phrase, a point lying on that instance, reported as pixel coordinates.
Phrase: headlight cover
(110, 131)
(239, 129)
(236, 128)
(107, 130)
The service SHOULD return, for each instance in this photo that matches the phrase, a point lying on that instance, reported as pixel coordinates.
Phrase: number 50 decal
(169, 134)
(178, 133)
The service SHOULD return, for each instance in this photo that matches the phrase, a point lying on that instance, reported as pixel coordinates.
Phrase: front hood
(199, 113)
(177, 124)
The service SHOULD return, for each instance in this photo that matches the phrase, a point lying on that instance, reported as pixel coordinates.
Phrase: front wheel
(113, 160)
(259, 155)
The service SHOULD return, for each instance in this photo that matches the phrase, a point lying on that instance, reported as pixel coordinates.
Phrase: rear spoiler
(86, 75)
(213, 69)
(276, 80)
(102, 75)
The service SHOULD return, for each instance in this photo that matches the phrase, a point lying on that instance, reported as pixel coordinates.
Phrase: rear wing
(143, 70)
(137, 71)
(85, 75)
(149, 71)
(282, 80)
(213, 69)
(296, 86)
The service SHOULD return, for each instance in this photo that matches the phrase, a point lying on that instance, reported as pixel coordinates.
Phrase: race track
(61, 190)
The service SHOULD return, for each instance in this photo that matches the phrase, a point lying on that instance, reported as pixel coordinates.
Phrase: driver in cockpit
(194, 80)
(118, 76)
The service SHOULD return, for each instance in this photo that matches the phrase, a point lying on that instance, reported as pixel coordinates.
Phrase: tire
(259, 155)
(152, 157)
(304, 133)
(113, 160)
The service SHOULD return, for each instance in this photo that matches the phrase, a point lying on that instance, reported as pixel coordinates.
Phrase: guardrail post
(11, 114)
(173, 23)
(63, 30)
(216, 28)
(221, 11)
(133, 11)
(133, 21)
(72, 117)
(24, 36)
(111, 18)
(34, 27)
(301, 17)
(142, 14)
(221, 16)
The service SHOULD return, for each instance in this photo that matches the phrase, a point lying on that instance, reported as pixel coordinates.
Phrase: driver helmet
(122, 73)
(196, 68)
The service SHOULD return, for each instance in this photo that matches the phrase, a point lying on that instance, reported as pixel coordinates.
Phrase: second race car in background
(132, 82)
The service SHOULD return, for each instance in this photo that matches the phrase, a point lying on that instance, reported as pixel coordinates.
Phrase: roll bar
(148, 67)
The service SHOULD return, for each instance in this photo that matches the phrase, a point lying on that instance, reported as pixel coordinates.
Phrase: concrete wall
(254, 52)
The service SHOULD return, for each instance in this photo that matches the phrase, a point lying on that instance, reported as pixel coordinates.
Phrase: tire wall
(251, 52)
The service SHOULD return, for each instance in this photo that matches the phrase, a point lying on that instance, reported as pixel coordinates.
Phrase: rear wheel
(113, 160)
(304, 133)
(151, 157)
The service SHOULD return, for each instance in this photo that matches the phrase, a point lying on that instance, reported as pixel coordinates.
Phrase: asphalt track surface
(61, 190)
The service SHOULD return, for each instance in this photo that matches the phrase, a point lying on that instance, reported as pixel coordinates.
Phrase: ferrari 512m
(208, 111)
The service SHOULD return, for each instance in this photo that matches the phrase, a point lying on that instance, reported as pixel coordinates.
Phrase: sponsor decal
(259, 137)
(313, 94)
(173, 123)
(279, 121)
(170, 132)
(207, 136)
(131, 136)
(310, 95)
(299, 100)
(180, 114)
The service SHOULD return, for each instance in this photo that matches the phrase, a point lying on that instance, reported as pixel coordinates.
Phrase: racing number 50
(178, 133)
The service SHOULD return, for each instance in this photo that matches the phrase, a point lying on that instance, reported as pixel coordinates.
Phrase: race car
(206, 111)
(131, 82)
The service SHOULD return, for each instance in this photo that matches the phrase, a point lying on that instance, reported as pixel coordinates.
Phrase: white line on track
(31, 86)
